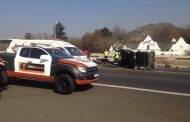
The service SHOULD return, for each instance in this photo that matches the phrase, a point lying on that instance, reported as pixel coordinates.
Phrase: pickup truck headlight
(82, 69)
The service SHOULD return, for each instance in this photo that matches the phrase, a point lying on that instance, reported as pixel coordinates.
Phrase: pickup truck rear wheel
(3, 78)
(64, 84)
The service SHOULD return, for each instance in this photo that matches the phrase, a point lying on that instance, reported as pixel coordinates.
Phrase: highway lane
(154, 80)
(38, 103)
(34, 101)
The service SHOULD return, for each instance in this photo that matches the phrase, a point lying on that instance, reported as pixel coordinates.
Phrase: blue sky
(81, 16)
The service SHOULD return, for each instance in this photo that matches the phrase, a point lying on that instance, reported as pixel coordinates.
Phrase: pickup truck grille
(92, 69)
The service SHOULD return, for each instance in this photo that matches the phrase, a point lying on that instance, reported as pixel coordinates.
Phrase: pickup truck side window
(36, 53)
(25, 52)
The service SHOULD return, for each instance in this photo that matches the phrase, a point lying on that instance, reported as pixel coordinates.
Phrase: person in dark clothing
(88, 54)
(2, 63)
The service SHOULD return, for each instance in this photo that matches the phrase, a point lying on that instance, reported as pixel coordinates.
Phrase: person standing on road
(116, 58)
(2, 63)
(88, 54)
(106, 53)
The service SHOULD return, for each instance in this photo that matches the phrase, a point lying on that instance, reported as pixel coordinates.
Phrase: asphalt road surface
(155, 80)
(119, 96)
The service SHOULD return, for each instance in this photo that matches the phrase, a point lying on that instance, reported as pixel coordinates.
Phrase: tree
(28, 36)
(59, 31)
(186, 33)
(106, 32)
(97, 41)
(106, 35)
(120, 34)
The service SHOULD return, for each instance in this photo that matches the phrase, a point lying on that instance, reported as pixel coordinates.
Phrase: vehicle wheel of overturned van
(3, 79)
(64, 84)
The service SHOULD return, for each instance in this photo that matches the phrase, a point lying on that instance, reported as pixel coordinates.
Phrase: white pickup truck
(11, 46)
(49, 64)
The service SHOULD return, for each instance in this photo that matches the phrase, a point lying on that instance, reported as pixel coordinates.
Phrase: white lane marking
(159, 71)
(141, 89)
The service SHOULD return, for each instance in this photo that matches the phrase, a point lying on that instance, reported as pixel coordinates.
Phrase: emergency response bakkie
(48, 64)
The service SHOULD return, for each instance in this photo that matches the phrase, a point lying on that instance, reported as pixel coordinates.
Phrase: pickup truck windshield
(75, 51)
(59, 53)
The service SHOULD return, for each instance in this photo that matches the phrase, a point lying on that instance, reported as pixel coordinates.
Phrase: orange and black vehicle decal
(83, 82)
(71, 63)
(19, 75)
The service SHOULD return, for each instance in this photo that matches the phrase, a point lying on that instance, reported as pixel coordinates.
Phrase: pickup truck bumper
(87, 78)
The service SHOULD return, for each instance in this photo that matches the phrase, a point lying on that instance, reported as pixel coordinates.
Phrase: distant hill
(162, 33)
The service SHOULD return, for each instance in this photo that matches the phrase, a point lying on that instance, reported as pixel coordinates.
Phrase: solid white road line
(141, 89)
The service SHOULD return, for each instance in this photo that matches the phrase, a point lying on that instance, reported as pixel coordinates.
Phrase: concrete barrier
(173, 61)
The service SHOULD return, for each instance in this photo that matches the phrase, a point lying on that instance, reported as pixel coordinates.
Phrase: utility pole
(56, 30)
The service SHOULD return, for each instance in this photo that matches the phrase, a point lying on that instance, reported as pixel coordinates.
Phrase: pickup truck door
(33, 61)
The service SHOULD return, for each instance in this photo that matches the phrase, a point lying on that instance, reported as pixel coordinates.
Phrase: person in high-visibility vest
(116, 58)
(106, 53)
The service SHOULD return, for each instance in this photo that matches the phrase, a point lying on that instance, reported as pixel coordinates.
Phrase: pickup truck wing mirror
(45, 57)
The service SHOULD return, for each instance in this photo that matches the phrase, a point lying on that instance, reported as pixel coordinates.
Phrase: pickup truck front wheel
(64, 84)
(3, 78)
